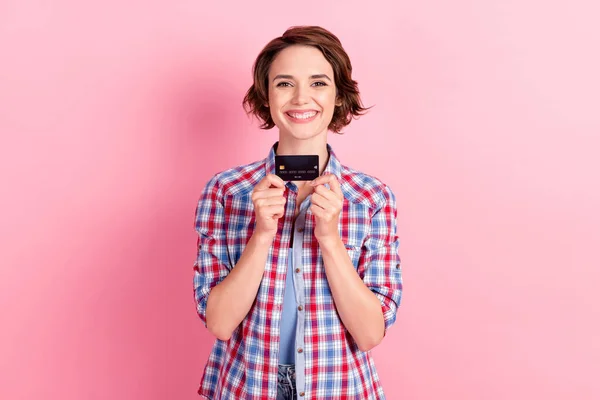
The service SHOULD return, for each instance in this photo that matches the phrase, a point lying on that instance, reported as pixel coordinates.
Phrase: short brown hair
(331, 47)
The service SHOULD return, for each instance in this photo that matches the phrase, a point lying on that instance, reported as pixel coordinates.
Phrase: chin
(304, 135)
(303, 132)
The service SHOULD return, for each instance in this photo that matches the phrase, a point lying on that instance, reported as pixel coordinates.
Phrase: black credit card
(297, 167)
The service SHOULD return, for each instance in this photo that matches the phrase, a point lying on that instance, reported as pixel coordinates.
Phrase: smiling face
(302, 93)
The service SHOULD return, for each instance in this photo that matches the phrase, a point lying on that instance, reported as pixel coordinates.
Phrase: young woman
(298, 280)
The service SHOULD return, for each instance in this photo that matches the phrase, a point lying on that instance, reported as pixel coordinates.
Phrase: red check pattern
(245, 367)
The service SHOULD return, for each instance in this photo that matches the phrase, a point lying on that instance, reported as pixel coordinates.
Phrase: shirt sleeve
(212, 263)
(381, 261)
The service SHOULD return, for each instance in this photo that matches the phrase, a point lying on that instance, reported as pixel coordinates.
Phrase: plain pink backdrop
(486, 125)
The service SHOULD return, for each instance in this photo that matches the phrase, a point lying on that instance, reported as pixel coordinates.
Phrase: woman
(297, 280)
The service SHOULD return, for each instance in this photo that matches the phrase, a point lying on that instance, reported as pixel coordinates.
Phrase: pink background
(486, 125)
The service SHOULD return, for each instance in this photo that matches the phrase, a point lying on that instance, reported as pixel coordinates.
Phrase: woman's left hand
(326, 206)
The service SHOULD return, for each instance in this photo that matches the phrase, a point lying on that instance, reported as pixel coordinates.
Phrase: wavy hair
(331, 47)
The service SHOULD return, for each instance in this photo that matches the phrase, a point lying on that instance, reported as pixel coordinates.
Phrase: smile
(301, 117)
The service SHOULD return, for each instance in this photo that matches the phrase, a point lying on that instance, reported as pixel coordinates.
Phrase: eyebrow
(318, 76)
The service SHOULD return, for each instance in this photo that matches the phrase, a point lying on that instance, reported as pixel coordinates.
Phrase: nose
(300, 95)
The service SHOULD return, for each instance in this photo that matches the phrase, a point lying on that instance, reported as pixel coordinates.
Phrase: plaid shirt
(331, 367)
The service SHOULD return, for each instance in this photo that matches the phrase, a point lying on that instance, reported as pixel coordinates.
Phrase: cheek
(276, 100)
(274, 106)
(327, 101)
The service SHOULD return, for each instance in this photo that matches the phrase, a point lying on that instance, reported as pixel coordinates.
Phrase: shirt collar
(333, 164)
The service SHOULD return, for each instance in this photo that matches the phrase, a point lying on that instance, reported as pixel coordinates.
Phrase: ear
(338, 102)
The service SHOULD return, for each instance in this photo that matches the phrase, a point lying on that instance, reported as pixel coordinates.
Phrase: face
(302, 93)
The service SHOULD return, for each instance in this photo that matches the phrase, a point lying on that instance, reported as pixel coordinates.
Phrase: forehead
(300, 61)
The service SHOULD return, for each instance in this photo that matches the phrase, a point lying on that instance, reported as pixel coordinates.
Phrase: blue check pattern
(332, 366)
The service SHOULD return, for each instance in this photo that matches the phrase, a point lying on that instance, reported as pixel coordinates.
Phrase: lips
(300, 116)
(303, 115)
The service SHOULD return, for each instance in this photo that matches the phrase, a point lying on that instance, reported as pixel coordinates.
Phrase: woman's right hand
(269, 205)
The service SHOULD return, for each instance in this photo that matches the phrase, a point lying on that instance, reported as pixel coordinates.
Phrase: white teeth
(303, 116)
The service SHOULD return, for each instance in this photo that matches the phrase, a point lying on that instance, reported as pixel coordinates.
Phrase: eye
(320, 83)
(281, 84)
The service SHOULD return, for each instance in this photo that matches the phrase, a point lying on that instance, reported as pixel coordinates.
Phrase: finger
(326, 193)
(336, 187)
(277, 181)
(320, 201)
(270, 180)
(321, 180)
(268, 211)
(270, 201)
(318, 211)
(271, 192)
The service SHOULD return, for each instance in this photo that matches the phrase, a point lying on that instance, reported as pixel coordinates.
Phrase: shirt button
(299, 308)
(300, 229)
(301, 394)
(297, 270)
(300, 350)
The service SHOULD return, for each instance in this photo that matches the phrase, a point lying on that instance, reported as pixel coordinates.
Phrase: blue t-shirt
(287, 336)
